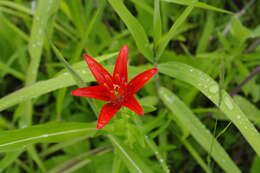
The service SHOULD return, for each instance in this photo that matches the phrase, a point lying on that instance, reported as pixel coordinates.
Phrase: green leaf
(43, 12)
(9, 159)
(240, 32)
(247, 107)
(198, 130)
(163, 42)
(15, 6)
(130, 158)
(47, 133)
(157, 23)
(256, 165)
(60, 81)
(210, 88)
(195, 3)
(134, 27)
(196, 155)
(206, 35)
(255, 32)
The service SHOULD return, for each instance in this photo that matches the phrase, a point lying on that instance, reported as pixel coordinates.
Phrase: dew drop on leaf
(228, 103)
(213, 89)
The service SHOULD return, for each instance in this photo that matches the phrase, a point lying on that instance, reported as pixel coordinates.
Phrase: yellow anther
(116, 87)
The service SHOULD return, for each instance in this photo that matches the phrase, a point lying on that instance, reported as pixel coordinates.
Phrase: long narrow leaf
(51, 132)
(134, 27)
(210, 88)
(43, 87)
(131, 159)
(163, 42)
(198, 4)
(198, 130)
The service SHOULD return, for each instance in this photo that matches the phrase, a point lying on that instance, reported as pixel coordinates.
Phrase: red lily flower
(114, 88)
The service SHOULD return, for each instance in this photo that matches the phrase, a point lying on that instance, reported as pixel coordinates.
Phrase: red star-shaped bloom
(114, 88)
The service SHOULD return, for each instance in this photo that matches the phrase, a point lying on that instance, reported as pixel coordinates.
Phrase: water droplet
(33, 5)
(161, 160)
(213, 89)
(169, 99)
(228, 103)
(191, 70)
(45, 136)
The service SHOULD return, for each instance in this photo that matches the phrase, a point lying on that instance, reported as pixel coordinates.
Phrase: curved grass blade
(196, 155)
(198, 130)
(210, 88)
(134, 27)
(61, 81)
(47, 133)
(157, 22)
(131, 159)
(43, 12)
(16, 6)
(198, 4)
(163, 42)
(9, 158)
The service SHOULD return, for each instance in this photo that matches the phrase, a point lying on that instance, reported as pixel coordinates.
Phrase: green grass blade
(45, 133)
(196, 155)
(69, 68)
(43, 12)
(210, 88)
(16, 29)
(206, 34)
(198, 130)
(60, 81)
(144, 5)
(134, 27)
(157, 22)
(15, 6)
(6, 69)
(43, 87)
(131, 159)
(198, 4)
(9, 158)
(172, 32)
(34, 154)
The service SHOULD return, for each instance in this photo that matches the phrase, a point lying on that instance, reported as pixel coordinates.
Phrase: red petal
(120, 70)
(107, 112)
(132, 104)
(101, 75)
(95, 92)
(137, 82)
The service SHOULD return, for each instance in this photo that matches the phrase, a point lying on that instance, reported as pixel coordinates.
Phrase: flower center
(116, 90)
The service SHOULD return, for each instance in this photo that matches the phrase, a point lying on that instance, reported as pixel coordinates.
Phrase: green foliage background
(201, 110)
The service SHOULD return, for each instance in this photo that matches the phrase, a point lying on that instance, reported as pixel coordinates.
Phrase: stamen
(116, 87)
